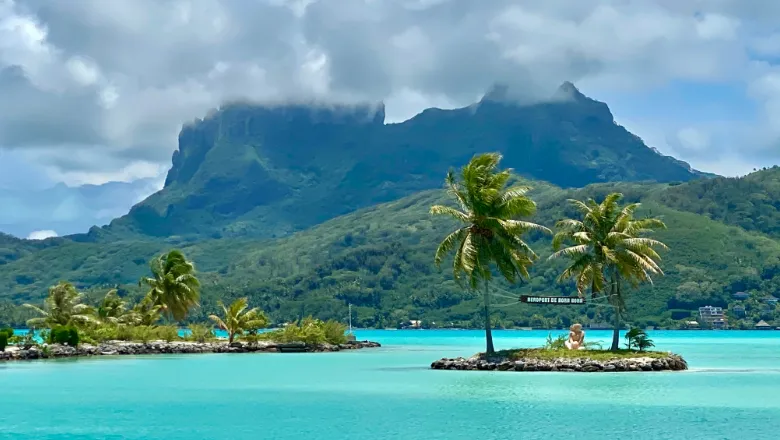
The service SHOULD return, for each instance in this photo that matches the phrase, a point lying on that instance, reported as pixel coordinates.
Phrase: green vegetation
(66, 335)
(379, 259)
(596, 355)
(200, 333)
(490, 233)
(310, 331)
(3, 341)
(63, 307)
(638, 338)
(236, 319)
(173, 286)
(608, 246)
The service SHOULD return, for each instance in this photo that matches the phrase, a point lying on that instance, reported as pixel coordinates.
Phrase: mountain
(380, 260)
(248, 170)
(306, 209)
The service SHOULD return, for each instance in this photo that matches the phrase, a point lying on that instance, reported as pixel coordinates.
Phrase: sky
(94, 91)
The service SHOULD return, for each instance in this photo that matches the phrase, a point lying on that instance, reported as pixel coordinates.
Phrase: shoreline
(124, 348)
(639, 363)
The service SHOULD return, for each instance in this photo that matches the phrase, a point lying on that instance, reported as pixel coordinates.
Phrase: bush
(310, 331)
(559, 343)
(335, 332)
(142, 333)
(200, 333)
(101, 333)
(3, 341)
(167, 333)
(64, 335)
(8, 331)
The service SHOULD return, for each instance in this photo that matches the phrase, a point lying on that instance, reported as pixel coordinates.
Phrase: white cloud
(98, 89)
(41, 235)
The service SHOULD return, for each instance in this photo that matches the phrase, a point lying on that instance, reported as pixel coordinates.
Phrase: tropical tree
(113, 309)
(62, 307)
(237, 319)
(145, 313)
(490, 233)
(173, 285)
(606, 248)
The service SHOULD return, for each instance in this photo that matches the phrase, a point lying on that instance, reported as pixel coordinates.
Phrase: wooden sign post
(555, 300)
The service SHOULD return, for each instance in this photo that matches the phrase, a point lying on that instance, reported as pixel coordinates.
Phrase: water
(732, 392)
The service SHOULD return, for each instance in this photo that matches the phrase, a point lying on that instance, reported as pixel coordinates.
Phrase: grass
(596, 355)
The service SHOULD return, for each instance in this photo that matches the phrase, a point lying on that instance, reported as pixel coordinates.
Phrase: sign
(557, 300)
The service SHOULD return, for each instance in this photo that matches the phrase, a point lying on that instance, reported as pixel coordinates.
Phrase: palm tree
(237, 320)
(62, 307)
(145, 313)
(112, 309)
(174, 286)
(608, 246)
(490, 233)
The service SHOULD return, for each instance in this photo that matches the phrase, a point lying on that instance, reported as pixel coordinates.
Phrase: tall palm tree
(237, 319)
(62, 307)
(608, 246)
(173, 285)
(490, 232)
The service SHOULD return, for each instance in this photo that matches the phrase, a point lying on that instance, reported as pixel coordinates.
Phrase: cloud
(41, 235)
(96, 90)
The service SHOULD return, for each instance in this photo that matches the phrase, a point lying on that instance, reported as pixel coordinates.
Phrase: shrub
(100, 333)
(142, 333)
(167, 333)
(310, 331)
(642, 342)
(631, 336)
(3, 341)
(559, 343)
(335, 332)
(64, 335)
(8, 331)
(200, 333)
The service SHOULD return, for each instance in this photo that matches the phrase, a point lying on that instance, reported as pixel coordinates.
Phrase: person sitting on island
(576, 338)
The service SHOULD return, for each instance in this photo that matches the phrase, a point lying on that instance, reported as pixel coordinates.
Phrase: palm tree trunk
(615, 290)
(488, 331)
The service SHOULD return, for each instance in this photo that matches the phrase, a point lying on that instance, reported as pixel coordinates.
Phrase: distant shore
(122, 348)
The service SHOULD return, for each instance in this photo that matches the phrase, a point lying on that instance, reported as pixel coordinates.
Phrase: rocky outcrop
(671, 362)
(114, 348)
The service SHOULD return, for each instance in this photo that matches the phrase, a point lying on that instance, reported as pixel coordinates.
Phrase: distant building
(762, 325)
(691, 324)
(412, 323)
(738, 310)
(713, 317)
(741, 296)
(770, 300)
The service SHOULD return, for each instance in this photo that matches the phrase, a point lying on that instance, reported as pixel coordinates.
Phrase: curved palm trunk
(488, 331)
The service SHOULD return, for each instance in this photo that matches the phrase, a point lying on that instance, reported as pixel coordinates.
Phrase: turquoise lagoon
(732, 392)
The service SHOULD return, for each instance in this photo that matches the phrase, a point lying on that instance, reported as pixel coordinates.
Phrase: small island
(132, 348)
(586, 361)
(70, 328)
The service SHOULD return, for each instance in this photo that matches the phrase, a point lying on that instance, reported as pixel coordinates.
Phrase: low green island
(554, 356)
(71, 328)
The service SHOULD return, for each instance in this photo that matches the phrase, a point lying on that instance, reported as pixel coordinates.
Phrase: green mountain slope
(380, 260)
(751, 202)
(270, 171)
